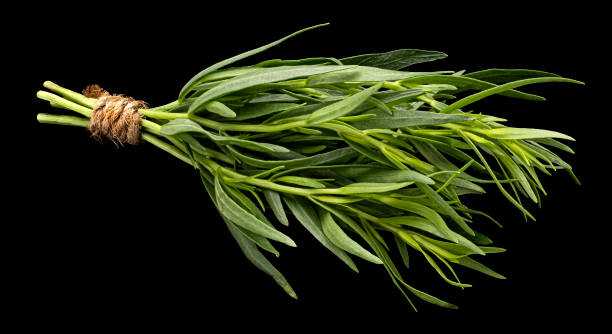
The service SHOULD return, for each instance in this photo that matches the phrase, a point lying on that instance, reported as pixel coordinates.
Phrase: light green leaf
(252, 254)
(394, 60)
(403, 250)
(273, 199)
(422, 211)
(177, 126)
(361, 74)
(193, 81)
(475, 265)
(501, 76)
(237, 215)
(294, 62)
(337, 236)
(256, 110)
(341, 154)
(445, 207)
(404, 118)
(502, 88)
(342, 107)
(220, 109)
(371, 187)
(423, 224)
(521, 133)
(383, 175)
(464, 83)
(259, 77)
(306, 215)
(301, 181)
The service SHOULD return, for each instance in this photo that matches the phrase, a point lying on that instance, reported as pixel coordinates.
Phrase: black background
(108, 236)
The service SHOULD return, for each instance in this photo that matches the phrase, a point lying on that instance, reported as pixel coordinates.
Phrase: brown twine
(114, 117)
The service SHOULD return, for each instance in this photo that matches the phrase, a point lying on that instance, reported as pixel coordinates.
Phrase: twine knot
(114, 117)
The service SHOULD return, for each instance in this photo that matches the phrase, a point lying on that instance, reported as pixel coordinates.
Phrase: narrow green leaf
(422, 211)
(188, 86)
(220, 109)
(502, 88)
(394, 60)
(501, 76)
(342, 107)
(337, 236)
(301, 181)
(256, 110)
(177, 126)
(371, 187)
(306, 215)
(383, 175)
(423, 224)
(404, 118)
(403, 250)
(445, 207)
(273, 199)
(362, 74)
(465, 83)
(475, 265)
(294, 62)
(521, 133)
(259, 77)
(237, 215)
(338, 155)
(252, 254)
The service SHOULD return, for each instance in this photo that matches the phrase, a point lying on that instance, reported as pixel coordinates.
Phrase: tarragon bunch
(368, 158)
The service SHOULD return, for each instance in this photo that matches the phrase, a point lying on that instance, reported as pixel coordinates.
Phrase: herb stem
(246, 127)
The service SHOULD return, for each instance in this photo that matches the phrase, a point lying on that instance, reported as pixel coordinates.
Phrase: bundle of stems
(368, 157)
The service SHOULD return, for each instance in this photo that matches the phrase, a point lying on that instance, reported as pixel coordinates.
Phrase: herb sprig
(368, 157)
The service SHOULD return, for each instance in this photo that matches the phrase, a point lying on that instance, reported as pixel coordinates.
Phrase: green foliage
(356, 150)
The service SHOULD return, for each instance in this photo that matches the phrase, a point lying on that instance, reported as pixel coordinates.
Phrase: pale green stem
(246, 127)
(70, 95)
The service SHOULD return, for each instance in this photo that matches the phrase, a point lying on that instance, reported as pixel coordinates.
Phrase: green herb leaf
(188, 86)
(178, 126)
(394, 60)
(305, 214)
(405, 118)
(501, 76)
(252, 254)
(361, 74)
(342, 107)
(262, 109)
(259, 77)
(337, 236)
(502, 88)
(371, 187)
(244, 219)
(341, 154)
(521, 133)
(220, 109)
(274, 200)
(464, 83)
